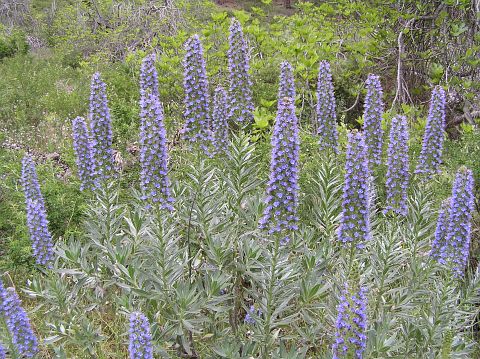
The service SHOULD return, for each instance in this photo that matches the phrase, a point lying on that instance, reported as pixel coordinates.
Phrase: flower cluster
(3, 355)
(251, 315)
(456, 246)
(153, 152)
(149, 76)
(351, 325)
(37, 222)
(326, 109)
(140, 344)
(101, 130)
(197, 99)
(240, 91)
(83, 151)
(438, 244)
(431, 155)
(398, 174)
(282, 192)
(372, 118)
(355, 221)
(220, 120)
(18, 324)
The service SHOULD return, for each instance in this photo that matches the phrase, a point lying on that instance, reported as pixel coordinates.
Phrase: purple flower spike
(140, 345)
(372, 117)
(18, 324)
(431, 155)
(280, 214)
(287, 82)
(240, 91)
(220, 120)
(101, 131)
(197, 99)
(351, 325)
(355, 221)
(153, 152)
(3, 355)
(82, 146)
(398, 174)
(37, 222)
(326, 109)
(149, 76)
(459, 226)
(439, 244)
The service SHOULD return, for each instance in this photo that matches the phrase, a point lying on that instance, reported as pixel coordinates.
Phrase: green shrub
(12, 43)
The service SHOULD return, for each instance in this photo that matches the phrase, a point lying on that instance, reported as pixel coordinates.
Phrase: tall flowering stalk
(154, 179)
(372, 118)
(432, 146)
(439, 244)
(82, 146)
(3, 355)
(355, 220)
(459, 225)
(240, 90)
(101, 130)
(220, 120)
(18, 324)
(398, 174)
(140, 345)
(287, 82)
(280, 214)
(153, 153)
(37, 222)
(326, 109)
(351, 325)
(197, 99)
(149, 76)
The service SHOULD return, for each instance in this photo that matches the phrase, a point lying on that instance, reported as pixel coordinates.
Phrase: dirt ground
(278, 7)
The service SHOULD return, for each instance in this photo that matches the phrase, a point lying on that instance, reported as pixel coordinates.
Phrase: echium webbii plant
(220, 120)
(398, 174)
(82, 146)
(154, 179)
(148, 76)
(101, 130)
(351, 325)
(3, 354)
(240, 90)
(280, 214)
(197, 98)
(372, 120)
(140, 338)
(37, 223)
(355, 219)
(326, 109)
(459, 225)
(432, 146)
(438, 244)
(18, 324)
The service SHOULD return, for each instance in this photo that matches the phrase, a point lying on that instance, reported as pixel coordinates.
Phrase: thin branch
(399, 94)
(355, 104)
